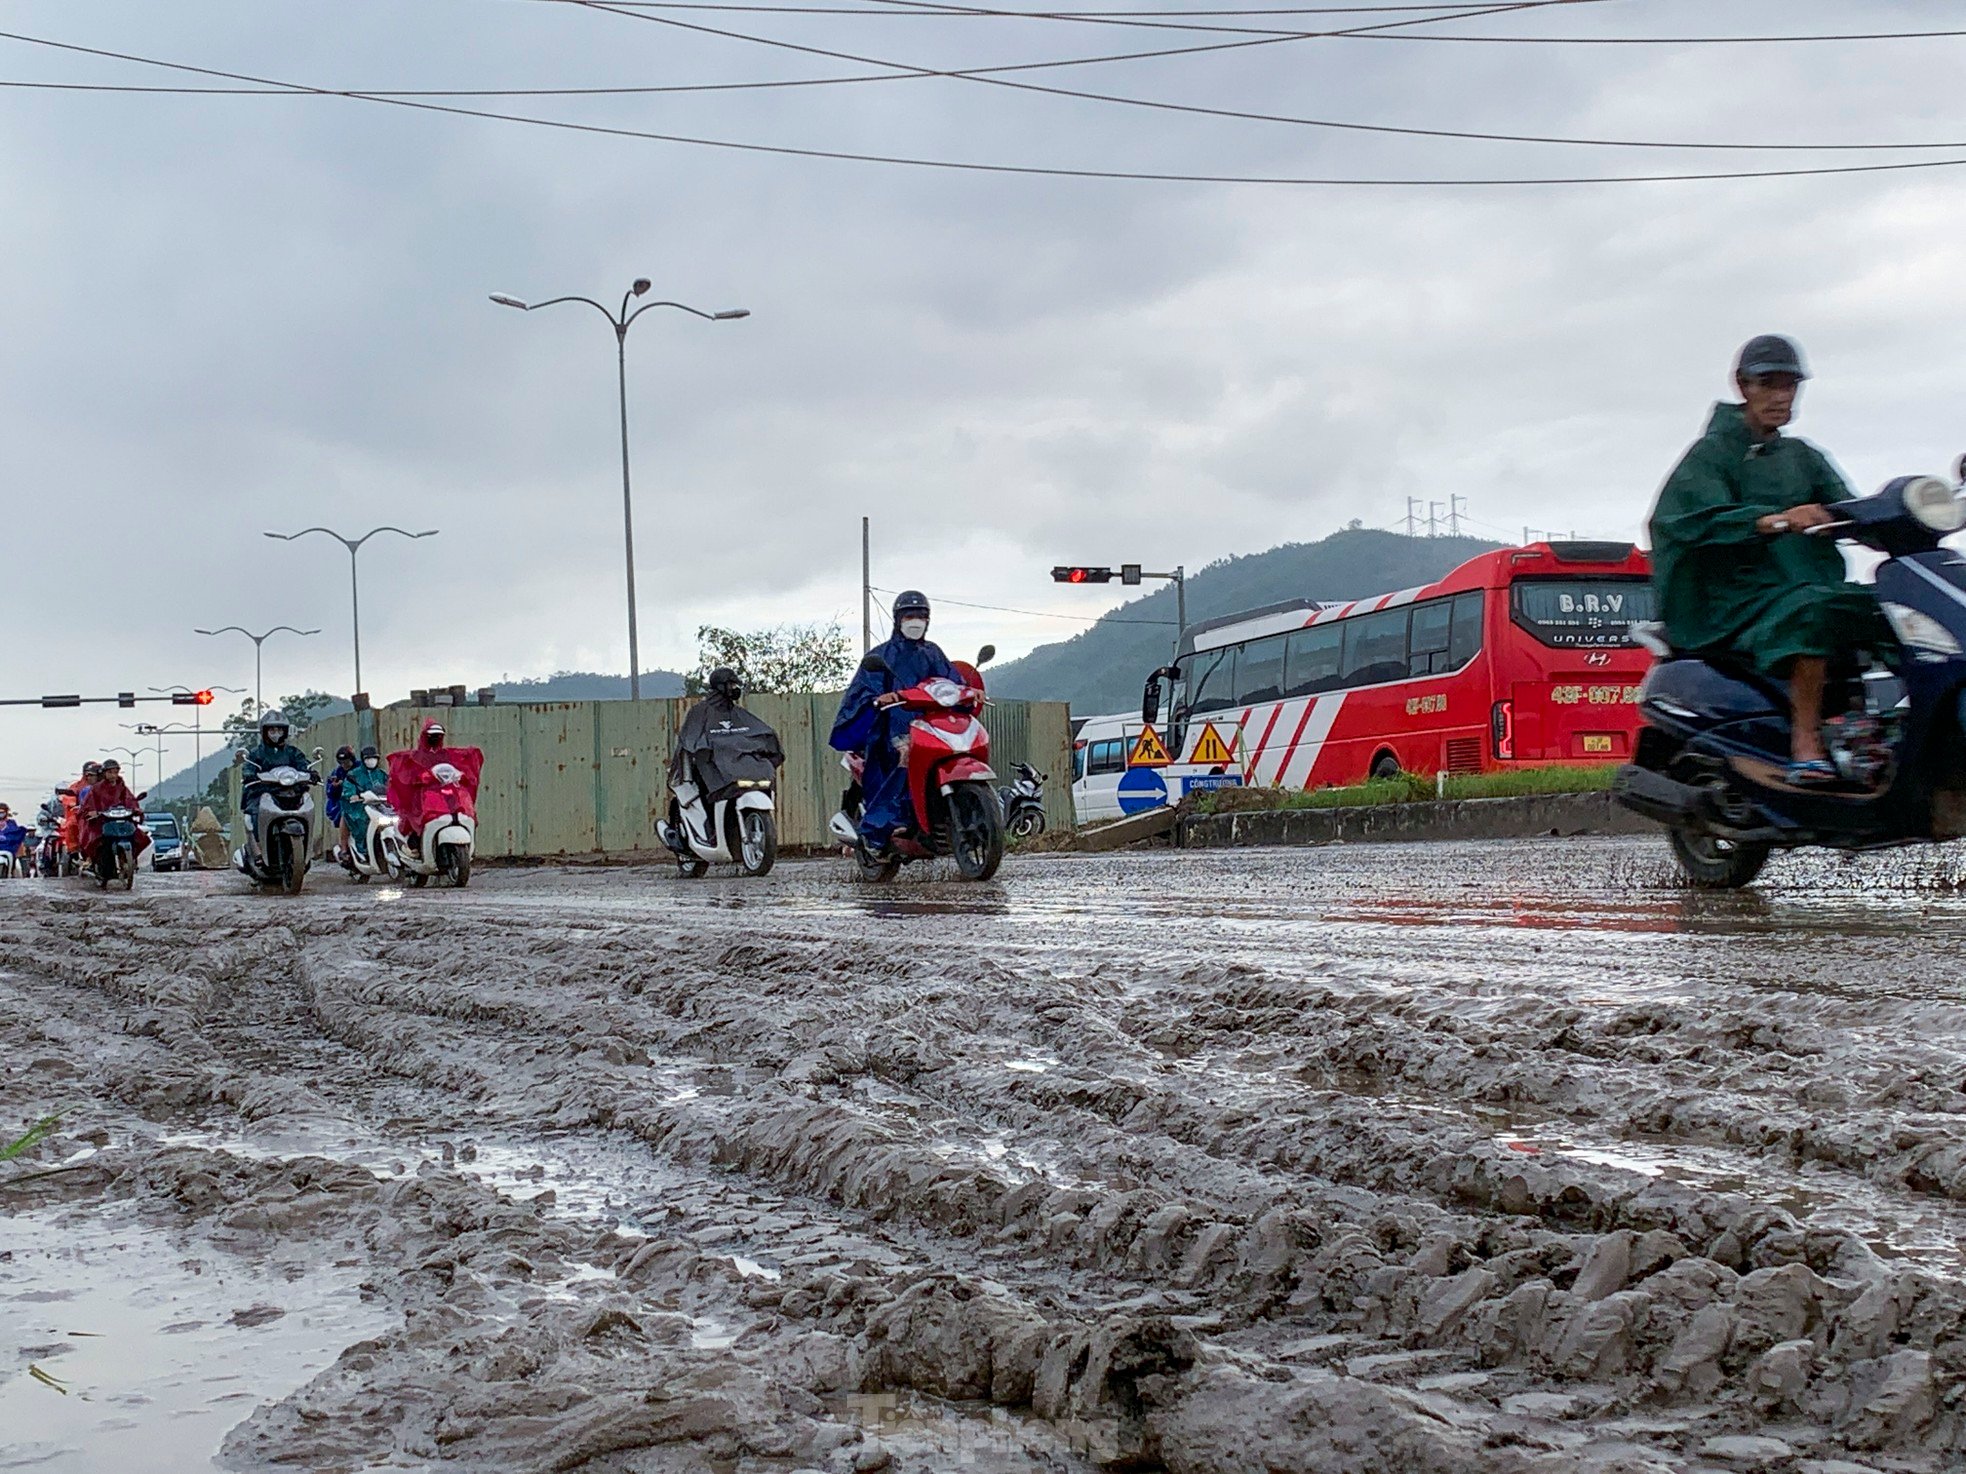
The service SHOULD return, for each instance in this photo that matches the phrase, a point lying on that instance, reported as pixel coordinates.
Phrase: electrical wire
(978, 167)
(1033, 613)
(928, 10)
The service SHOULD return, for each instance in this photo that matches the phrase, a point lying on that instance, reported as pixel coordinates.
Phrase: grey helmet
(1770, 353)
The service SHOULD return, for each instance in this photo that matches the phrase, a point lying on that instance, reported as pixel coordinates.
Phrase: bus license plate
(1597, 744)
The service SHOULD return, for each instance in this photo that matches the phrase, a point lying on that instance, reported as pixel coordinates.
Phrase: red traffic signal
(191, 698)
(1080, 573)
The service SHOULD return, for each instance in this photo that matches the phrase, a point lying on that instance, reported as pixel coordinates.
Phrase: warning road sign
(1149, 751)
(1210, 749)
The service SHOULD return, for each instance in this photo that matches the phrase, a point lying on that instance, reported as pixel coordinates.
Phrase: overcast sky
(228, 314)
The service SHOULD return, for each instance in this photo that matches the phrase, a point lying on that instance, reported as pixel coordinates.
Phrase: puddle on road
(965, 1436)
(160, 1351)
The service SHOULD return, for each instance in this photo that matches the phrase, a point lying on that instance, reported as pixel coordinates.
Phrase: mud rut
(1279, 1162)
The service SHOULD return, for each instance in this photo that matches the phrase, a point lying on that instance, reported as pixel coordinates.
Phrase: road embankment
(1526, 817)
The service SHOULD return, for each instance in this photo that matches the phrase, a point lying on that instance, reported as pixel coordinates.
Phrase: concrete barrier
(1469, 818)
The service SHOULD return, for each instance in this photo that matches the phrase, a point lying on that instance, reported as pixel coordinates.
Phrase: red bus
(1523, 655)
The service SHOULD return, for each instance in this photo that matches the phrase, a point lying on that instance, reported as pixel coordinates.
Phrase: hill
(1102, 669)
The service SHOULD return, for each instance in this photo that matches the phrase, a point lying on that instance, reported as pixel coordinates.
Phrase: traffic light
(191, 698)
(1079, 573)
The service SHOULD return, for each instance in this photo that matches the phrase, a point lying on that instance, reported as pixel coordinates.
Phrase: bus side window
(1314, 660)
(1465, 643)
(1259, 671)
(1212, 686)
(1429, 641)
(1375, 648)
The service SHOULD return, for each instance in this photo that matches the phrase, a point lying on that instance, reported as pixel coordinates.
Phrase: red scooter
(955, 809)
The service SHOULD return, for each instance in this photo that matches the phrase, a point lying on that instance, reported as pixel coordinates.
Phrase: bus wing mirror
(1150, 699)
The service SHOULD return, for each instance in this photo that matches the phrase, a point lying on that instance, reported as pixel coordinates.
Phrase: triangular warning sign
(1149, 751)
(1210, 749)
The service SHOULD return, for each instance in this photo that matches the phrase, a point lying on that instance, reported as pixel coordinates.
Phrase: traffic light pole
(1132, 574)
(122, 698)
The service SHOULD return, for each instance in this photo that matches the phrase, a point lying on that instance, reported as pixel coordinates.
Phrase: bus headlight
(1932, 503)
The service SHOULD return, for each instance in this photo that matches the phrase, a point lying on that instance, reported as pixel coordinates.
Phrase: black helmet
(269, 725)
(345, 755)
(369, 752)
(911, 601)
(92, 770)
(1769, 354)
(724, 683)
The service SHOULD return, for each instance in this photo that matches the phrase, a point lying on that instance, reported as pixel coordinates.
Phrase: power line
(978, 167)
(929, 11)
(993, 76)
(1033, 613)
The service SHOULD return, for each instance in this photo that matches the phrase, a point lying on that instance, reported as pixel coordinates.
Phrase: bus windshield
(1572, 612)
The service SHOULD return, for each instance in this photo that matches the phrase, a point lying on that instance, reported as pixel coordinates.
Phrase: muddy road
(1504, 1159)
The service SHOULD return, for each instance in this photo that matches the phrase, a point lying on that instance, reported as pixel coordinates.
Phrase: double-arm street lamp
(621, 321)
(259, 641)
(354, 546)
(135, 755)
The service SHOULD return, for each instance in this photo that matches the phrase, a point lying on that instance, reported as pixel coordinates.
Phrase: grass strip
(1411, 788)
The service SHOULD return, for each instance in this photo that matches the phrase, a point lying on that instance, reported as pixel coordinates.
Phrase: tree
(242, 728)
(785, 658)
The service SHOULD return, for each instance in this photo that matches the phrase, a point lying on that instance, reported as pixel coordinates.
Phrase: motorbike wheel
(1026, 824)
(455, 862)
(126, 869)
(757, 848)
(691, 868)
(879, 872)
(975, 831)
(293, 868)
(1718, 864)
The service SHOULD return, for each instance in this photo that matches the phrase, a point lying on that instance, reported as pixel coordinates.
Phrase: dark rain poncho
(1722, 585)
(724, 743)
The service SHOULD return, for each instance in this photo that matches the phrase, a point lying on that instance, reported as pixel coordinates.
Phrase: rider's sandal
(1813, 772)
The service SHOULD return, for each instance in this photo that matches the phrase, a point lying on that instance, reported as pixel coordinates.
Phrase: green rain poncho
(1722, 585)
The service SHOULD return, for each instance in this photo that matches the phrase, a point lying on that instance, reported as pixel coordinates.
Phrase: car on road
(166, 840)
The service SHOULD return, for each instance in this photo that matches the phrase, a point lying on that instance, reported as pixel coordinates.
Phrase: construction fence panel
(585, 778)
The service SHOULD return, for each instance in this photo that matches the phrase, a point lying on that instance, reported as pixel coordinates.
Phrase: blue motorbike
(115, 859)
(1711, 761)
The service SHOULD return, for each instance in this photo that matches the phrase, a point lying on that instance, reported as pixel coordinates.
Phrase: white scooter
(279, 830)
(382, 857)
(740, 828)
(448, 842)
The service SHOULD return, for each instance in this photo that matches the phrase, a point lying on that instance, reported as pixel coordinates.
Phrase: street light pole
(354, 546)
(621, 321)
(135, 755)
(259, 640)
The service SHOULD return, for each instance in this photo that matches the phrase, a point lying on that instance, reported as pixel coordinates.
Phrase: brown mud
(1485, 1159)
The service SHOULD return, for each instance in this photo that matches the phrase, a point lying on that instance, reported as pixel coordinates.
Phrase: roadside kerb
(1526, 817)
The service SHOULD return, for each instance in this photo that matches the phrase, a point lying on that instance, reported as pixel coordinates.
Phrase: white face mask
(371, 762)
(914, 629)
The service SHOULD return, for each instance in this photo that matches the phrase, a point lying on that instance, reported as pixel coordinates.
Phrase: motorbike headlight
(947, 693)
(1934, 505)
(1920, 632)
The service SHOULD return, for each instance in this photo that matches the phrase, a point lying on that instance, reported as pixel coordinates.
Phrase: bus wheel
(1385, 765)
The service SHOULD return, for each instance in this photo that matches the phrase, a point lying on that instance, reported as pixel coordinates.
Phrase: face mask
(371, 762)
(914, 629)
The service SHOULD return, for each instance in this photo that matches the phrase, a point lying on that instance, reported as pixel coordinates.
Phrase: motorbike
(1023, 803)
(279, 829)
(1711, 760)
(115, 858)
(737, 822)
(449, 839)
(954, 806)
(382, 857)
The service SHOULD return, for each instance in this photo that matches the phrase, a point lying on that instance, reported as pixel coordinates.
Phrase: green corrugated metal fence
(584, 778)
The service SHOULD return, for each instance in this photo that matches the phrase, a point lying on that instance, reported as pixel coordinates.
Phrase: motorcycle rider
(364, 777)
(13, 834)
(412, 775)
(272, 751)
(344, 763)
(109, 791)
(868, 722)
(71, 819)
(721, 708)
(1733, 565)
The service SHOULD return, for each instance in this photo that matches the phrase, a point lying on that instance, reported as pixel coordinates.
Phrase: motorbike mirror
(238, 757)
(1150, 699)
(873, 664)
(987, 654)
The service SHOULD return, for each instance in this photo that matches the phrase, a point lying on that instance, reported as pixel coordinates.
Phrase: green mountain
(1103, 669)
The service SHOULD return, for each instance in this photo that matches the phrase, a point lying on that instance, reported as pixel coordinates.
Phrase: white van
(1099, 748)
